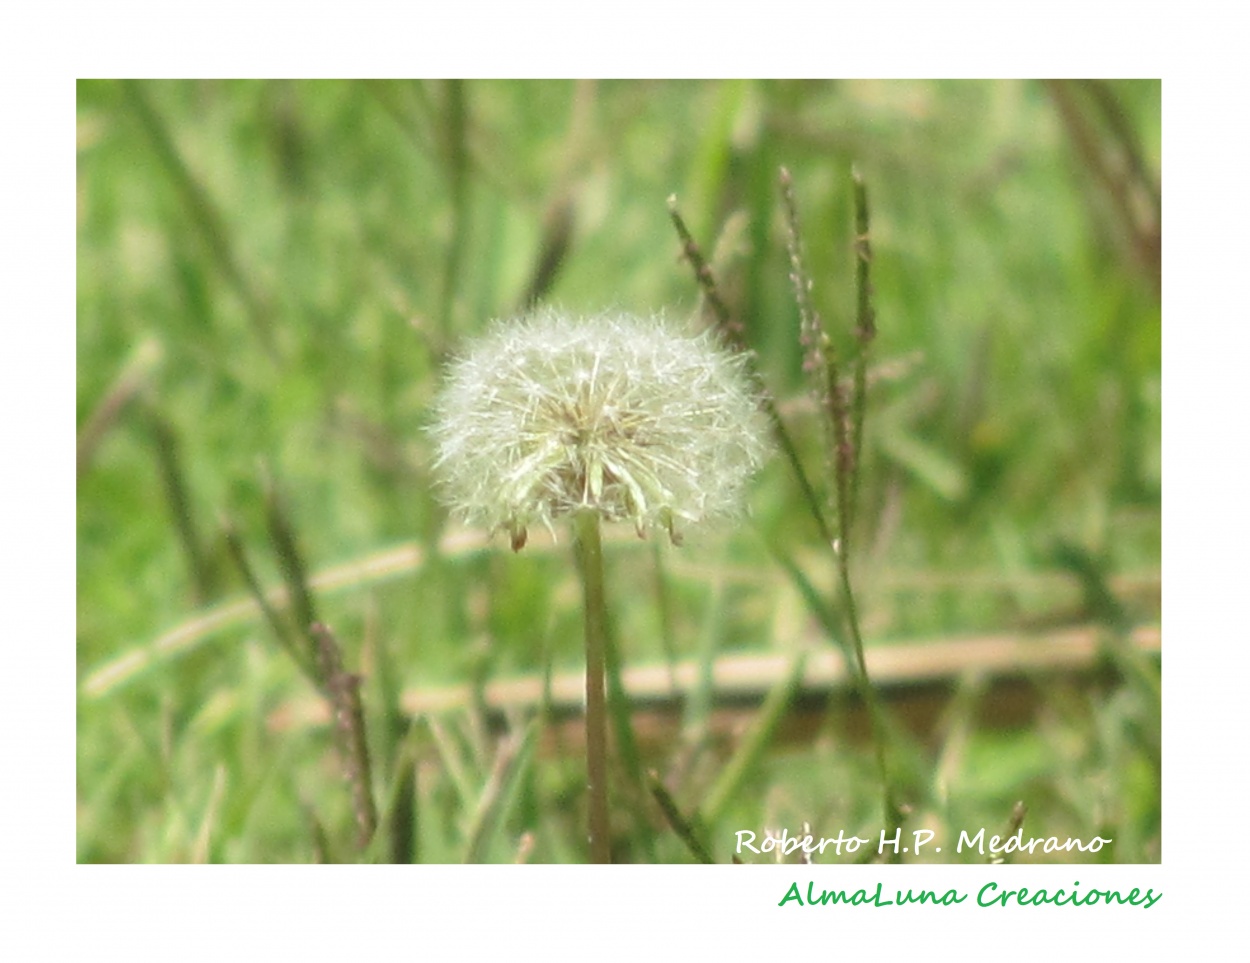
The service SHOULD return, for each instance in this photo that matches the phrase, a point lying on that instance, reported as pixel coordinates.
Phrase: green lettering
(826, 896)
(792, 893)
(949, 898)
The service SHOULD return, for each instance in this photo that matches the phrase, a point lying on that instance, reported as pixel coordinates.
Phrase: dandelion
(622, 415)
(614, 418)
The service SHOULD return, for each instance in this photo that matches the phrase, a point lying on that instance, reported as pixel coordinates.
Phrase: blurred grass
(290, 261)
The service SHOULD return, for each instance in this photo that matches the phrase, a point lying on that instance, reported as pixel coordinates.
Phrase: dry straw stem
(900, 666)
(379, 567)
(404, 559)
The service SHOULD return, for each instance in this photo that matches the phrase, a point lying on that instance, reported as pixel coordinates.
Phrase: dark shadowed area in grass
(271, 276)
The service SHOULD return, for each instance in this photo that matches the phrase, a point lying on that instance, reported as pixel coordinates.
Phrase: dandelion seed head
(627, 416)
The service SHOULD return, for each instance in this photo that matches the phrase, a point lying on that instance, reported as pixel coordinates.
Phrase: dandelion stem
(589, 549)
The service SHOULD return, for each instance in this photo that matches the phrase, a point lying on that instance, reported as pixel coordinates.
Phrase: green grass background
(304, 254)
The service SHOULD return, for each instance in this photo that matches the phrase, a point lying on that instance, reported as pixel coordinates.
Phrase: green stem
(865, 331)
(850, 472)
(845, 425)
(589, 549)
(876, 715)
